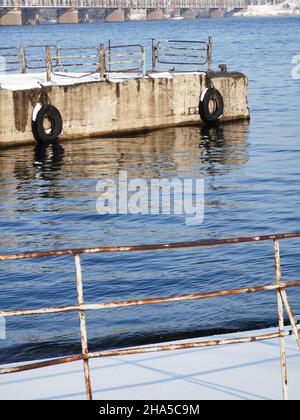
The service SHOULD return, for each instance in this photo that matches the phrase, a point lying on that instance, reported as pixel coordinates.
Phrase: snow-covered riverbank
(283, 9)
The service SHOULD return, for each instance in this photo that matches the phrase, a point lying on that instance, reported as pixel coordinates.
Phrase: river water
(251, 173)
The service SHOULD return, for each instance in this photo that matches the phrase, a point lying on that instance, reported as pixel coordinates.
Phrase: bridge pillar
(117, 15)
(188, 14)
(67, 16)
(156, 14)
(10, 17)
(30, 17)
(216, 13)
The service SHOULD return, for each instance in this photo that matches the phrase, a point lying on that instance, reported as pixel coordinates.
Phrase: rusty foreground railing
(278, 286)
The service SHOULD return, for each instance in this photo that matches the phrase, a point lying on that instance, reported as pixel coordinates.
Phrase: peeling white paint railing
(103, 59)
(10, 60)
(277, 286)
(125, 58)
(27, 58)
(54, 59)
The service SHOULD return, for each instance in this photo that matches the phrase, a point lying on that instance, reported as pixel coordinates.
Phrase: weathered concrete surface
(108, 108)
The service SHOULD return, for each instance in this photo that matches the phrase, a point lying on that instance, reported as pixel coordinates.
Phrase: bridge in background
(18, 12)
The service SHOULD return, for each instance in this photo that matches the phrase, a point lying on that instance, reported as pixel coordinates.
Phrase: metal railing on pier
(104, 59)
(125, 59)
(278, 286)
(182, 53)
(10, 60)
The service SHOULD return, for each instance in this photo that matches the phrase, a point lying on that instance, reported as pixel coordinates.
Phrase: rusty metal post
(48, 64)
(154, 54)
(281, 321)
(143, 61)
(102, 66)
(109, 56)
(22, 60)
(83, 329)
(209, 53)
(292, 318)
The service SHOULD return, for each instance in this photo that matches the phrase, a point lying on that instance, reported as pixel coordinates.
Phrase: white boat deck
(235, 372)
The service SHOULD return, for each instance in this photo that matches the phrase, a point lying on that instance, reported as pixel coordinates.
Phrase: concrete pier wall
(108, 108)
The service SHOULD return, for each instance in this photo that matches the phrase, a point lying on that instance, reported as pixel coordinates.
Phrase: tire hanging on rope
(47, 124)
(211, 106)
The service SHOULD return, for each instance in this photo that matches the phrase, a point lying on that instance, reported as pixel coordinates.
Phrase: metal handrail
(176, 52)
(34, 61)
(279, 287)
(137, 56)
(107, 59)
(11, 57)
(65, 55)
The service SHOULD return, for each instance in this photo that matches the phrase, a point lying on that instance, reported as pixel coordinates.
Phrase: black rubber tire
(204, 109)
(42, 135)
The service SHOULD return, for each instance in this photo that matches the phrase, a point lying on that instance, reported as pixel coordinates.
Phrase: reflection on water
(51, 172)
(175, 150)
(49, 158)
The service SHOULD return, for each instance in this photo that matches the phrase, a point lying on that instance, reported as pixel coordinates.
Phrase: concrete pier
(10, 17)
(121, 105)
(67, 16)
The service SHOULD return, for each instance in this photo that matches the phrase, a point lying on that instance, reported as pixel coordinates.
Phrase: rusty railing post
(281, 321)
(102, 60)
(292, 318)
(209, 53)
(83, 329)
(143, 61)
(109, 56)
(154, 54)
(48, 64)
(22, 60)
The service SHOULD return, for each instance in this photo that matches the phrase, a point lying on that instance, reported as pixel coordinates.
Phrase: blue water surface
(251, 172)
